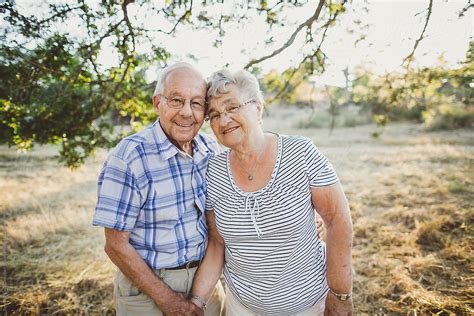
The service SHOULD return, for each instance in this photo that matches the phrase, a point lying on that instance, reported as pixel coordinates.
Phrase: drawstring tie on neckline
(254, 211)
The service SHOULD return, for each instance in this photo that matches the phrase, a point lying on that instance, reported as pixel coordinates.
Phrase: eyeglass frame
(228, 111)
(202, 107)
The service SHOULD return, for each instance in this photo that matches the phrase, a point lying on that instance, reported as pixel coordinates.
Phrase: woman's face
(233, 118)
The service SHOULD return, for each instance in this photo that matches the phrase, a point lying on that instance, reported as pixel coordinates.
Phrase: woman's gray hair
(160, 84)
(245, 82)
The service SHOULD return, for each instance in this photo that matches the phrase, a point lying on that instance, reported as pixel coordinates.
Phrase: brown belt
(188, 265)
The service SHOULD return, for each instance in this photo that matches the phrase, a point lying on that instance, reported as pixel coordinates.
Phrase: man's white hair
(163, 74)
(245, 82)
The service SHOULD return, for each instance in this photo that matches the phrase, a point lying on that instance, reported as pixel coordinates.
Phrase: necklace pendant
(250, 177)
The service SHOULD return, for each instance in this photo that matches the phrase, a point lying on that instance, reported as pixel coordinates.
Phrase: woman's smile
(229, 130)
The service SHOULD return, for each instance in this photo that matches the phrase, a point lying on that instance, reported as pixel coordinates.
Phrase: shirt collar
(200, 150)
(167, 149)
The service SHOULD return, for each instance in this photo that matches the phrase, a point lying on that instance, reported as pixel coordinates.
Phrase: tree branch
(410, 56)
(181, 19)
(60, 13)
(125, 56)
(465, 9)
(127, 21)
(315, 52)
(292, 38)
(265, 9)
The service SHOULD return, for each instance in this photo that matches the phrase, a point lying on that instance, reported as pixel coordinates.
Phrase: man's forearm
(134, 267)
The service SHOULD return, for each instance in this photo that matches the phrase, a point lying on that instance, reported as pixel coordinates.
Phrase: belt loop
(187, 280)
(161, 273)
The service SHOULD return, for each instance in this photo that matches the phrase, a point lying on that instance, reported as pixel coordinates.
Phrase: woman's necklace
(250, 172)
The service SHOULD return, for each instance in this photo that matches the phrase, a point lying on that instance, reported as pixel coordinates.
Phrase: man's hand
(132, 265)
(179, 305)
(199, 310)
(320, 228)
(334, 306)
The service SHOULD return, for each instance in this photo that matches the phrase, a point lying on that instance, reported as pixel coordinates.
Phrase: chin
(186, 140)
(229, 143)
(186, 137)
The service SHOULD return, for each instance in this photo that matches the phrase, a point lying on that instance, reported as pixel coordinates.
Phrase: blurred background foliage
(54, 90)
(440, 98)
(437, 97)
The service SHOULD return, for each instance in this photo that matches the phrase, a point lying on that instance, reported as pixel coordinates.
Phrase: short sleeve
(118, 197)
(209, 206)
(320, 171)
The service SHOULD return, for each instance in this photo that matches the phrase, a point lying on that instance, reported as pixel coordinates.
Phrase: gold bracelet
(199, 299)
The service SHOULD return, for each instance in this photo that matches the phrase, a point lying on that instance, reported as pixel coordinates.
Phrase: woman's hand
(335, 306)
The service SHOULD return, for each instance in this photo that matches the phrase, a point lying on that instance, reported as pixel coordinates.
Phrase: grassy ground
(411, 195)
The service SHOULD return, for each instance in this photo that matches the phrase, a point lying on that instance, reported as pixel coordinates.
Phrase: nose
(224, 119)
(186, 110)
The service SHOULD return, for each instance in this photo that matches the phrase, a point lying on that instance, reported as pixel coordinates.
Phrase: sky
(393, 27)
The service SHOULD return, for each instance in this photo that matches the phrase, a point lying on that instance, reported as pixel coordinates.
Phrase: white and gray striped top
(274, 261)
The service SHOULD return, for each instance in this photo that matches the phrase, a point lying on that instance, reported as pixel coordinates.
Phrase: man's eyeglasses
(232, 108)
(197, 104)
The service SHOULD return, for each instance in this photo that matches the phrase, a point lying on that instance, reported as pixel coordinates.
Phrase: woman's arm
(331, 203)
(211, 266)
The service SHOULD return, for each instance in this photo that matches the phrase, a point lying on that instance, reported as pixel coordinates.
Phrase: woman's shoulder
(220, 156)
(296, 141)
(219, 160)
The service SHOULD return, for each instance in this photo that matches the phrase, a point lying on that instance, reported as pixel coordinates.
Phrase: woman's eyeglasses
(232, 108)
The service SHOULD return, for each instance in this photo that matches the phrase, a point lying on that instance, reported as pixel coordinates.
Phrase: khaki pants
(130, 302)
(234, 308)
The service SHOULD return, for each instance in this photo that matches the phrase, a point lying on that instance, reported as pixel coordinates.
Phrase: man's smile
(184, 125)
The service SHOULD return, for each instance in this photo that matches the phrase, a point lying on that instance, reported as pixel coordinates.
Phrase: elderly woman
(262, 195)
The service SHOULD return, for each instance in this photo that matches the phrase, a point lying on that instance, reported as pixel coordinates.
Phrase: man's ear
(156, 103)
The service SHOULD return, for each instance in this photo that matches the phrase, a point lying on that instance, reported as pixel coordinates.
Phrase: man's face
(181, 125)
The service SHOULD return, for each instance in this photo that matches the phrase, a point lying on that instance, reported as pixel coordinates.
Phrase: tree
(54, 90)
(436, 96)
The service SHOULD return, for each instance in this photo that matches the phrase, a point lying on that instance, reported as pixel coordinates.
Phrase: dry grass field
(411, 194)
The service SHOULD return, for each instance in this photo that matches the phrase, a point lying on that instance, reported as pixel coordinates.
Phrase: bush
(449, 116)
(320, 119)
(346, 117)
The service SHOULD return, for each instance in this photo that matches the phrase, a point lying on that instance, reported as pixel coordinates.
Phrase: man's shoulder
(208, 142)
(128, 148)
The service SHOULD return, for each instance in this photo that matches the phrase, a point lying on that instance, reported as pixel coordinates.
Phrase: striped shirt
(274, 261)
(152, 189)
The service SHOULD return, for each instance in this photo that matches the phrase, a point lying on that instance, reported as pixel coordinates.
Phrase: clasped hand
(181, 306)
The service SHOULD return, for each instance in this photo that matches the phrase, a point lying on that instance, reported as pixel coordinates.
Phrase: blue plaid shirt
(152, 189)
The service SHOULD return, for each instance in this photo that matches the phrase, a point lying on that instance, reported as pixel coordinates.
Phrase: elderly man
(151, 198)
